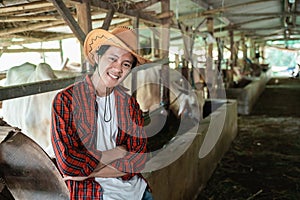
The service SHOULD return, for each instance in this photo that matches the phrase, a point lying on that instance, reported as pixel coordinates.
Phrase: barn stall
(183, 25)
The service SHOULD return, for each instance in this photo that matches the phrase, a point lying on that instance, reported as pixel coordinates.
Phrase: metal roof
(25, 21)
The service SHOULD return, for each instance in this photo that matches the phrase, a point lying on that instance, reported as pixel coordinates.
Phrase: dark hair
(103, 49)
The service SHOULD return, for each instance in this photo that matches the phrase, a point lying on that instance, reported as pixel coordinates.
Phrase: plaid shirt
(74, 136)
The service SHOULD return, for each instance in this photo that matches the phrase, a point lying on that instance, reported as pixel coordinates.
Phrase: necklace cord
(107, 96)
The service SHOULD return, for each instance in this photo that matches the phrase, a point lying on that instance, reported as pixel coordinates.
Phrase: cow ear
(180, 88)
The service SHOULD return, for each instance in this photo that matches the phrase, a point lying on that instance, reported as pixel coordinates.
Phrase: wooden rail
(10, 92)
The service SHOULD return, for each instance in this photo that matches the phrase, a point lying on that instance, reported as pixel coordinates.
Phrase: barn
(216, 70)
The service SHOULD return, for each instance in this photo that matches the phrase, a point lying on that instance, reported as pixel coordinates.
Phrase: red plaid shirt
(74, 136)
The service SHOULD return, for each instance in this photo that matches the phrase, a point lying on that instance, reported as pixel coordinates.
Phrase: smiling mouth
(113, 76)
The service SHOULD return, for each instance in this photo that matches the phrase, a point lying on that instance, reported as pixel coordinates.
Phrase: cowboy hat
(122, 37)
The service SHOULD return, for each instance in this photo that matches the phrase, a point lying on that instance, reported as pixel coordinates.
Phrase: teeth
(114, 76)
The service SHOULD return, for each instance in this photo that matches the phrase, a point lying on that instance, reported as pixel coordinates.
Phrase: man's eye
(112, 59)
(127, 65)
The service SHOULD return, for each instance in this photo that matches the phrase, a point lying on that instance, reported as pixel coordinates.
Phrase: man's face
(114, 65)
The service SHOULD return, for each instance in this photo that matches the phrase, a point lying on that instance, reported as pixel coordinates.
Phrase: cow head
(184, 101)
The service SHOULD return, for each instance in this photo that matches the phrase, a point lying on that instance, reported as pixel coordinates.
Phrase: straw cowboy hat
(122, 37)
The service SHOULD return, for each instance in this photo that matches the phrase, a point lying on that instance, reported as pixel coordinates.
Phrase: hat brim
(99, 37)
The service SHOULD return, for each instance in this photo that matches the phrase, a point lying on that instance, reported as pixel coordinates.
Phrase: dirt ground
(263, 162)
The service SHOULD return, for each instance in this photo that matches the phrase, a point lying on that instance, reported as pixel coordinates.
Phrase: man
(97, 128)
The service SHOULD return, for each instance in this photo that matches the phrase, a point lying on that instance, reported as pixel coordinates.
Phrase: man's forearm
(107, 172)
(103, 169)
(113, 154)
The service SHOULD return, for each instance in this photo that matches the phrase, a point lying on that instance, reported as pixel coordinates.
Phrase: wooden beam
(21, 37)
(261, 14)
(29, 27)
(29, 18)
(129, 4)
(202, 4)
(206, 6)
(214, 11)
(69, 19)
(163, 15)
(258, 29)
(227, 14)
(36, 12)
(10, 92)
(29, 50)
(108, 19)
(234, 6)
(125, 12)
(25, 6)
(144, 4)
(14, 2)
(84, 16)
(253, 21)
(233, 27)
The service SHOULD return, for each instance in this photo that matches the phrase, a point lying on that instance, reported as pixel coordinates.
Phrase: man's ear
(96, 56)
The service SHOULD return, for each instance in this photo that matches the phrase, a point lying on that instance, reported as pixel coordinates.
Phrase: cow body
(183, 99)
(32, 113)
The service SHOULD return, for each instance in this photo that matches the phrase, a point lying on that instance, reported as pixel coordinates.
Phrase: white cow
(199, 85)
(182, 97)
(32, 113)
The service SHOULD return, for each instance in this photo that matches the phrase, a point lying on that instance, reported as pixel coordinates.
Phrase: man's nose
(118, 65)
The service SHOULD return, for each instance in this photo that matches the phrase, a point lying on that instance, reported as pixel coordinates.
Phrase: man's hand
(75, 178)
(113, 154)
(102, 170)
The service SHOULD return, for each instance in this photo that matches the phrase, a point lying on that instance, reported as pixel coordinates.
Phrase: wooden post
(67, 16)
(210, 72)
(220, 53)
(61, 51)
(176, 61)
(136, 24)
(188, 43)
(244, 49)
(231, 49)
(108, 19)
(263, 53)
(210, 29)
(85, 22)
(252, 50)
(84, 16)
(229, 80)
(236, 48)
(164, 53)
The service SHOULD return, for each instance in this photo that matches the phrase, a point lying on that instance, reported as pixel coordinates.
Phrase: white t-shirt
(114, 188)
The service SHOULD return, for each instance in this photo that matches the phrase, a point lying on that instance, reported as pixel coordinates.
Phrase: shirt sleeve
(73, 159)
(136, 141)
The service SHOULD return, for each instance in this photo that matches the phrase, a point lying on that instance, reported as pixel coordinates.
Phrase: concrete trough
(247, 96)
(182, 169)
